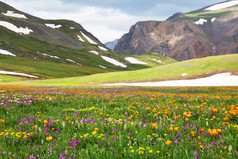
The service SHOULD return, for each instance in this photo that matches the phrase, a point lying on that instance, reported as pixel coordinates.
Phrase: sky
(107, 19)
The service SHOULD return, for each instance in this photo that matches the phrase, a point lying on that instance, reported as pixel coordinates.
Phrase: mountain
(38, 48)
(209, 31)
(111, 44)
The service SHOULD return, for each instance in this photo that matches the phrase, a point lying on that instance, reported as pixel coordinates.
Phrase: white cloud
(106, 24)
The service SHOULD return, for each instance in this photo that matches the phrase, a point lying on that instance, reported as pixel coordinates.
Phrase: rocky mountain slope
(209, 31)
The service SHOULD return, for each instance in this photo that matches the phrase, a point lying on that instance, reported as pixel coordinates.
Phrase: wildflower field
(118, 123)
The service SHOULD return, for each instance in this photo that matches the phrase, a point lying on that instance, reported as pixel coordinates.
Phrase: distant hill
(111, 45)
(210, 31)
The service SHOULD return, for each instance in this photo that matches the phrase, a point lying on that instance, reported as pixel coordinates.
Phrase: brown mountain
(197, 34)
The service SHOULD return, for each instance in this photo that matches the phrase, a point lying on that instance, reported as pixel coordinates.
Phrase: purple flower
(196, 154)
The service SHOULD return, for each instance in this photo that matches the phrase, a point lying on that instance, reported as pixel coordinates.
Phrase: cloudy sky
(107, 19)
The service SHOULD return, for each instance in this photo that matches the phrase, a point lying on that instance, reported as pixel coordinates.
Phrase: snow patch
(94, 52)
(53, 26)
(213, 19)
(88, 39)
(71, 28)
(113, 61)
(221, 79)
(222, 5)
(14, 28)
(81, 39)
(44, 54)
(201, 21)
(5, 52)
(102, 66)
(184, 74)
(13, 14)
(157, 60)
(73, 62)
(17, 74)
(133, 60)
(102, 48)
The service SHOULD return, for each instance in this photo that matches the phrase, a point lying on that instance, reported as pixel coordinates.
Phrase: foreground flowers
(121, 123)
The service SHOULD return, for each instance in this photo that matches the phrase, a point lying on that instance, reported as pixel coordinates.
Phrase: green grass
(44, 69)
(208, 14)
(6, 78)
(148, 58)
(194, 68)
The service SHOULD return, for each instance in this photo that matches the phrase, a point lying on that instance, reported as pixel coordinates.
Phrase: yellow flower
(157, 151)
(94, 132)
(141, 152)
(96, 129)
(168, 142)
(150, 151)
(49, 138)
(132, 151)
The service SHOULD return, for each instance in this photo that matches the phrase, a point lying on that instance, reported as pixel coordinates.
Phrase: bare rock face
(182, 39)
(179, 40)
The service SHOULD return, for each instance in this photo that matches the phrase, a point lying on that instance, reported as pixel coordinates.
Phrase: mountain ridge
(205, 32)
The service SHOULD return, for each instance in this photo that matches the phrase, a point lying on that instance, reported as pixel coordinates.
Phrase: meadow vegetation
(118, 123)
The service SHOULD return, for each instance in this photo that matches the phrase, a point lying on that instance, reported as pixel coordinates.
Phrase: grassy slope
(46, 40)
(208, 14)
(149, 56)
(194, 68)
(6, 78)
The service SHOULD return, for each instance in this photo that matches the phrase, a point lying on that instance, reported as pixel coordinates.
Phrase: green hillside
(49, 52)
(193, 68)
(208, 15)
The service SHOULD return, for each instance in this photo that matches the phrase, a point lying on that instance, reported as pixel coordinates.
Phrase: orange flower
(192, 133)
(2, 121)
(199, 137)
(153, 125)
(176, 129)
(168, 142)
(201, 130)
(96, 129)
(33, 127)
(66, 118)
(201, 146)
(171, 129)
